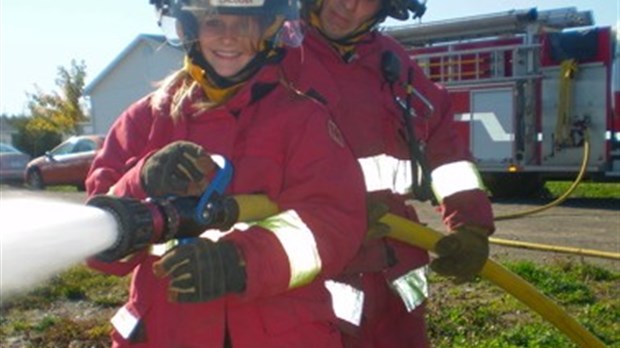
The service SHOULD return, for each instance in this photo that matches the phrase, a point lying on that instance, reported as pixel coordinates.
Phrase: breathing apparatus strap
(421, 186)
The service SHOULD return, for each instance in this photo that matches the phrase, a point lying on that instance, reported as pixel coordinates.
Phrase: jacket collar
(319, 43)
(257, 87)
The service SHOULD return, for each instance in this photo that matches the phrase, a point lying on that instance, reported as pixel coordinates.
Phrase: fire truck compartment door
(491, 130)
(589, 98)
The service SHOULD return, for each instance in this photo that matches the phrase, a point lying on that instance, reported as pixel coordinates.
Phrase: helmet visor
(279, 19)
(169, 27)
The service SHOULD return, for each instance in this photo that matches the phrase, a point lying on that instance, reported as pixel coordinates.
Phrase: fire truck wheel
(509, 185)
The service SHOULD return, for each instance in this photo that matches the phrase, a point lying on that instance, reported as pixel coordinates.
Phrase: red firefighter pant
(386, 322)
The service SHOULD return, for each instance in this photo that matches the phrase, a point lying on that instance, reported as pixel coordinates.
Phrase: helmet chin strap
(196, 57)
(219, 89)
(216, 95)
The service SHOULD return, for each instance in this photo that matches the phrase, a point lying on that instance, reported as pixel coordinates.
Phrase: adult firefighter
(258, 285)
(401, 129)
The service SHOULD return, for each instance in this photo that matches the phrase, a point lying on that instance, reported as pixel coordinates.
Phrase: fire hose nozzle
(141, 223)
(135, 225)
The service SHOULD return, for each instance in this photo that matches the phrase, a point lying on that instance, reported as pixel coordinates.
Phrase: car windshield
(6, 148)
(74, 145)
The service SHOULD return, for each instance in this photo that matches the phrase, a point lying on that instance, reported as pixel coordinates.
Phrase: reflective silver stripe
(384, 172)
(347, 301)
(162, 248)
(451, 178)
(298, 243)
(412, 288)
(124, 322)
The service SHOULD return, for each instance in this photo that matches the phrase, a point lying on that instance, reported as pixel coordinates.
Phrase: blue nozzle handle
(218, 185)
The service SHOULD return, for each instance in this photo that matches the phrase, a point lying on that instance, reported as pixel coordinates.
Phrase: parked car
(66, 164)
(12, 163)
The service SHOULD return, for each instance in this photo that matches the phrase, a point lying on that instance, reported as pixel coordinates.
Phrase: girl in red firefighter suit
(375, 84)
(264, 283)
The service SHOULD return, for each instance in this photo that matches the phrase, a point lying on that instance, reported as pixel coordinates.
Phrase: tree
(53, 115)
(31, 140)
(59, 112)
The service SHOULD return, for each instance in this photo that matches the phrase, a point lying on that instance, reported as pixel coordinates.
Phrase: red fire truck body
(530, 88)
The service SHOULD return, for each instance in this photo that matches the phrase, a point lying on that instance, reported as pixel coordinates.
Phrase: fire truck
(532, 91)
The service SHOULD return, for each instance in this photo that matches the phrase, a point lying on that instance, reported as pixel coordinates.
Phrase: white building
(130, 76)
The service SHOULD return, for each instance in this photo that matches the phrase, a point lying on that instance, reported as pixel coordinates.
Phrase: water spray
(42, 237)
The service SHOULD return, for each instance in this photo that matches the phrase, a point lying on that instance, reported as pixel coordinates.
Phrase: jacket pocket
(284, 313)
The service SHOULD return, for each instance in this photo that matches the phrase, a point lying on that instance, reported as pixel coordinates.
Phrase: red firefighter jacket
(363, 105)
(281, 144)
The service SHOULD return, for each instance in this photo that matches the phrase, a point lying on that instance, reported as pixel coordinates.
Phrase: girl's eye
(217, 26)
(212, 24)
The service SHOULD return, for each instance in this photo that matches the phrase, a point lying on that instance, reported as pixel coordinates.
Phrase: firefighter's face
(229, 42)
(340, 18)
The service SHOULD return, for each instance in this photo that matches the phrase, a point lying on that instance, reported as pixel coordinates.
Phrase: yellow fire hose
(256, 207)
(565, 195)
(409, 232)
(555, 248)
(558, 201)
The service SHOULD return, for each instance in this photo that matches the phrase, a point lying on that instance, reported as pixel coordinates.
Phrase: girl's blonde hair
(174, 92)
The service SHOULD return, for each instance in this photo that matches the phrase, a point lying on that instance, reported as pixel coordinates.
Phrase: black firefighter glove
(180, 168)
(202, 270)
(462, 254)
(376, 229)
(375, 254)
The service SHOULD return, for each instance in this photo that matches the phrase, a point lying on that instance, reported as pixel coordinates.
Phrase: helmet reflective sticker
(237, 3)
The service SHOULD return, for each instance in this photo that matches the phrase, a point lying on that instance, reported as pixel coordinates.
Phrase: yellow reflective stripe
(455, 177)
(298, 243)
(384, 172)
(412, 287)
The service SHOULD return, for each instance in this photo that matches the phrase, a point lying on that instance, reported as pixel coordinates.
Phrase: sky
(38, 37)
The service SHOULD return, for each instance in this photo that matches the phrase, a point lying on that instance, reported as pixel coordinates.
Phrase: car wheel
(35, 180)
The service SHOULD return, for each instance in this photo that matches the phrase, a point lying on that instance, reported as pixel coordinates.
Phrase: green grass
(473, 315)
(585, 189)
(62, 188)
(77, 284)
(34, 317)
(485, 317)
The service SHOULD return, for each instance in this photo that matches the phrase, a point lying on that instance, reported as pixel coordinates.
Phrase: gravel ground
(578, 223)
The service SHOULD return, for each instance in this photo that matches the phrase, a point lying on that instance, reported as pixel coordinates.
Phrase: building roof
(158, 39)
